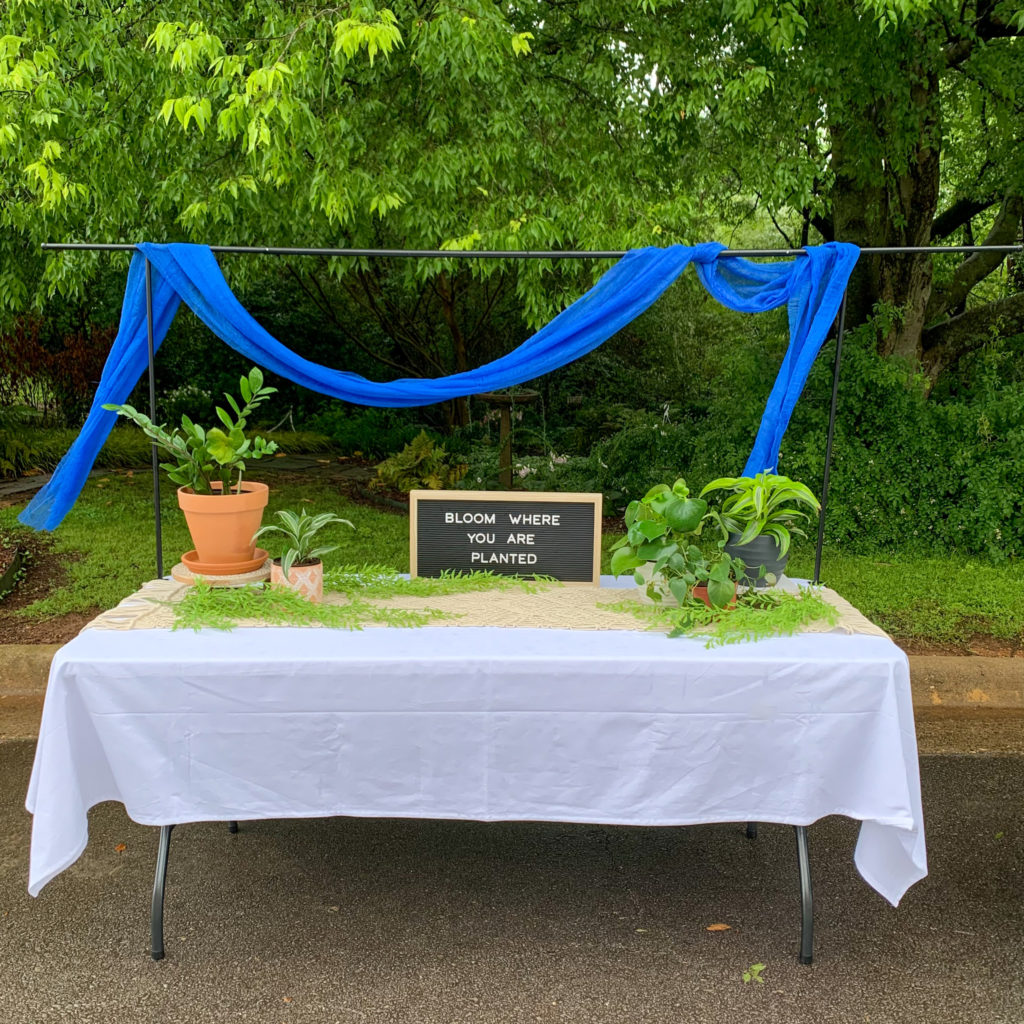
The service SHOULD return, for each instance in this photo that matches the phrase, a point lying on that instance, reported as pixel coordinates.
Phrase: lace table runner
(550, 607)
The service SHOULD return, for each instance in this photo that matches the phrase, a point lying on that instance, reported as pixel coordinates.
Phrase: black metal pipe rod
(156, 912)
(828, 441)
(516, 254)
(803, 859)
(152, 416)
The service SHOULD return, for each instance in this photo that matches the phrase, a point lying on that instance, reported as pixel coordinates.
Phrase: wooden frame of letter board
(415, 497)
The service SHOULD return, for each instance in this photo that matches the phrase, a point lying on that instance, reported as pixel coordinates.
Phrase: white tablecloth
(486, 724)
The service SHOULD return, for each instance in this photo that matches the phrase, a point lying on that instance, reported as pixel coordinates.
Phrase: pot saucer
(243, 579)
(191, 562)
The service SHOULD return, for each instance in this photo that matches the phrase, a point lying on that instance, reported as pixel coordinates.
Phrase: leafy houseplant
(759, 518)
(222, 510)
(660, 549)
(299, 556)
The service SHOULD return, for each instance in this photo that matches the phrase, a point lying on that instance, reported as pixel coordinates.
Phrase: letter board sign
(515, 533)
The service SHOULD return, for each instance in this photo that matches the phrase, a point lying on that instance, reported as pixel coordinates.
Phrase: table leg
(156, 916)
(232, 827)
(806, 898)
(751, 829)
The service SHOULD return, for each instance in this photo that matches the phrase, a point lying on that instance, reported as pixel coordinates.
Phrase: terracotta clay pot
(307, 580)
(700, 591)
(222, 526)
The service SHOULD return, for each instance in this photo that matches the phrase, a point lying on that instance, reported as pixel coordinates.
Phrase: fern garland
(224, 607)
(381, 582)
(758, 615)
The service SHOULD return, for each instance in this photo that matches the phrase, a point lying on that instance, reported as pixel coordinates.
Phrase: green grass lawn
(106, 546)
(946, 600)
(108, 550)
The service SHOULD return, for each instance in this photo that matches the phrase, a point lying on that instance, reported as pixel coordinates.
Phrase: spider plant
(299, 532)
(766, 504)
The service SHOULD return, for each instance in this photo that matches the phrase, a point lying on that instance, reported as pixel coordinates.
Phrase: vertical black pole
(806, 897)
(156, 911)
(152, 416)
(828, 442)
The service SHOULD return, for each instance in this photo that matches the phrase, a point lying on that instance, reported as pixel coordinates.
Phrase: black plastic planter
(761, 551)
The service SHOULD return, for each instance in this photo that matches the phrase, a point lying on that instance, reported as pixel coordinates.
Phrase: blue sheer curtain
(811, 286)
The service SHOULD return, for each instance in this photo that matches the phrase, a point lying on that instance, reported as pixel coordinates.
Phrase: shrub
(923, 473)
(17, 454)
(55, 375)
(370, 431)
(421, 464)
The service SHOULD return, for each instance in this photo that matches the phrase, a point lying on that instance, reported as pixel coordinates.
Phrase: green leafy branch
(206, 607)
(377, 581)
(202, 456)
(758, 615)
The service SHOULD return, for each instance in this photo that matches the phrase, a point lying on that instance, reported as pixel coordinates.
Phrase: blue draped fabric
(812, 287)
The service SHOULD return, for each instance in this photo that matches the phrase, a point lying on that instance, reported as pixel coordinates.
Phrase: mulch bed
(43, 572)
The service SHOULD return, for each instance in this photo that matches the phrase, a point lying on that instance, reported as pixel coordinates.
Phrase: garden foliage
(422, 464)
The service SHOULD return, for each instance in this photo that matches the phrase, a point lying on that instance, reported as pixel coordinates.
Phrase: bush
(17, 453)
(372, 432)
(53, 372)
(128, 448)
(421, 464)
(923, 473)
(926, 474)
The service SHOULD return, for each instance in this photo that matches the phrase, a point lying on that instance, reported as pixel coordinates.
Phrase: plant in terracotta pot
(223, 511)
(661, 549)
(299, 568)
(758, 519)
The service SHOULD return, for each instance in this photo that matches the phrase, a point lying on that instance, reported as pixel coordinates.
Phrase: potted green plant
(223, 511)
(299, 567)
(661, 549)
(758, 519)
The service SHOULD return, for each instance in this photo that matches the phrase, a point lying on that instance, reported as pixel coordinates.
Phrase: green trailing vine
(379, 581)
(224, 607)
(758, 614)
(204, 606)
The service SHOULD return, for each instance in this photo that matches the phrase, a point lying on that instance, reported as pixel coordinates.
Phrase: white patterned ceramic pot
(307, 580)
(668, 599)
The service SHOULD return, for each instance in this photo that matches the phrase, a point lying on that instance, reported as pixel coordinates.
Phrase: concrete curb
(968, 682)
(948, 692)
(24, 669)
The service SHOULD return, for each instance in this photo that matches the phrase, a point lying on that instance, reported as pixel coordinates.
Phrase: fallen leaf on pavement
(718, 927)
(120, 848)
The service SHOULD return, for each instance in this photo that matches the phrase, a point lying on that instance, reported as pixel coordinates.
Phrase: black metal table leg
(751, 829)
(806, 897)
(156, 916)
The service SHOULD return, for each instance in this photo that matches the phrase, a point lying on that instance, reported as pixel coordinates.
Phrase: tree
(425, 124)
(544, 124)
(880, 122)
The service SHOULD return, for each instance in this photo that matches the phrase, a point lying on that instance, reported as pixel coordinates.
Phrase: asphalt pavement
(350, 920)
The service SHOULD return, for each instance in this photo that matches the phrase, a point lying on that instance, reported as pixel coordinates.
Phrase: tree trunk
(913, 200)
(458, 415)
(856, 217)
(887, 208)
